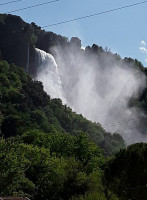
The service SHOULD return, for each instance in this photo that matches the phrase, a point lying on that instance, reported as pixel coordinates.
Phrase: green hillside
(48, 150)
(25, 106)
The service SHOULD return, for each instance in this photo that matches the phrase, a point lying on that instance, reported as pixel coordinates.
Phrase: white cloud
(143, 43)
(143, 49)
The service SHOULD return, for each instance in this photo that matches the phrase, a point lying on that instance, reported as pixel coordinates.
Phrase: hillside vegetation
(25, 106)
(49, 152)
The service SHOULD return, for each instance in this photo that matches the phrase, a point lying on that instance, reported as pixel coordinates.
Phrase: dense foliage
(126, 173)
(46, 166)
(50, 155)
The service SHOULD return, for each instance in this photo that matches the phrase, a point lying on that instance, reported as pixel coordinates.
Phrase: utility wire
(120, 122)
(123, 129)
(79, 18)
(9, 2)
(95, 14)
(130, 126)
(33, 6)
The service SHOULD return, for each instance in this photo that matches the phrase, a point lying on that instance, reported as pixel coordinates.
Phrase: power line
(9, 2)
(120, 122)
(129, 127)
(79, 18)
(95, 14)
(129, 124)
(33, 6)
(123, 129)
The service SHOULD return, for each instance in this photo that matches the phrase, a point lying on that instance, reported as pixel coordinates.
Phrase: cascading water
(48, 73)
(101, 91)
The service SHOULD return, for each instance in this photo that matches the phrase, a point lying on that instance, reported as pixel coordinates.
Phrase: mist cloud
(100, 88)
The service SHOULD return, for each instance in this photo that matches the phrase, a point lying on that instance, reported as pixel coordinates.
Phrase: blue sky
(123, 31)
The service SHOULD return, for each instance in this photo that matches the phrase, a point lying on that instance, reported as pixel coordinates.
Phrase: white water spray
(99, 92)
(48, 74)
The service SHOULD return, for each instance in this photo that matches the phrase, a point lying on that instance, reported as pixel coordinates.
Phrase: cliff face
(15, 41)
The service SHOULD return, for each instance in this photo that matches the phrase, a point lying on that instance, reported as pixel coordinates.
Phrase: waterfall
(48, 74)
(99, 89)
